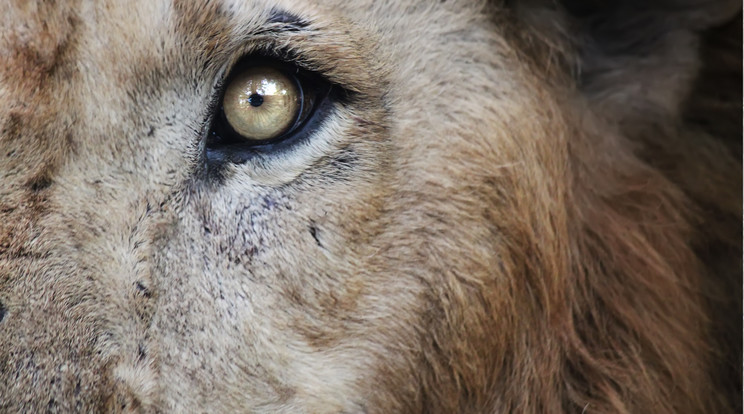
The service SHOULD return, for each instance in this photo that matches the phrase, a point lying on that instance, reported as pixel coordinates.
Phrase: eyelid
(326, 50)
(287, 56)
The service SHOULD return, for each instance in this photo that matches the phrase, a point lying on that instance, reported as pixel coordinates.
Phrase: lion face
(346, 207)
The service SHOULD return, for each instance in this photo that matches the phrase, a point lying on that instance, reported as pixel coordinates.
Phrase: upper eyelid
(274, 55)
(332, 50)
(271, 49)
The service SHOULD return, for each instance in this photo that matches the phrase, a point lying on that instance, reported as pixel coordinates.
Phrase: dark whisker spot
(314, 233)
(40, 183)
(143, 289)
(289, 21)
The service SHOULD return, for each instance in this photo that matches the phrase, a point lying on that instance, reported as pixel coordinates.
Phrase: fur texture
(521, 206)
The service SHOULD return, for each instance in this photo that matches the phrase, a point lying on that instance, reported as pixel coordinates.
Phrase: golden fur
(522, 206)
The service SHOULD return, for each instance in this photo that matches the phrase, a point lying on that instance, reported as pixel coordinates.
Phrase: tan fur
(525, 206)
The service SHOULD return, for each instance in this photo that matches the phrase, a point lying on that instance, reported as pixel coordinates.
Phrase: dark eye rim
(223, 139)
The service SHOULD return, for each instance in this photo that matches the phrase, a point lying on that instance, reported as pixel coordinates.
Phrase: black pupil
(255, 99)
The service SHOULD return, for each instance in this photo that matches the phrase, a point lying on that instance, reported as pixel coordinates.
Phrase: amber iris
(262, 103)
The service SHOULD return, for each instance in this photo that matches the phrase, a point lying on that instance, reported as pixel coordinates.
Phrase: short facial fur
(518, 206)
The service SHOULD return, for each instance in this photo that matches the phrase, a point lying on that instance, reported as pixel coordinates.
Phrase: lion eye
(262, 103)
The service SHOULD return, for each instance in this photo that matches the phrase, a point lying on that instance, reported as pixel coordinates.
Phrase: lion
(364, 206)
